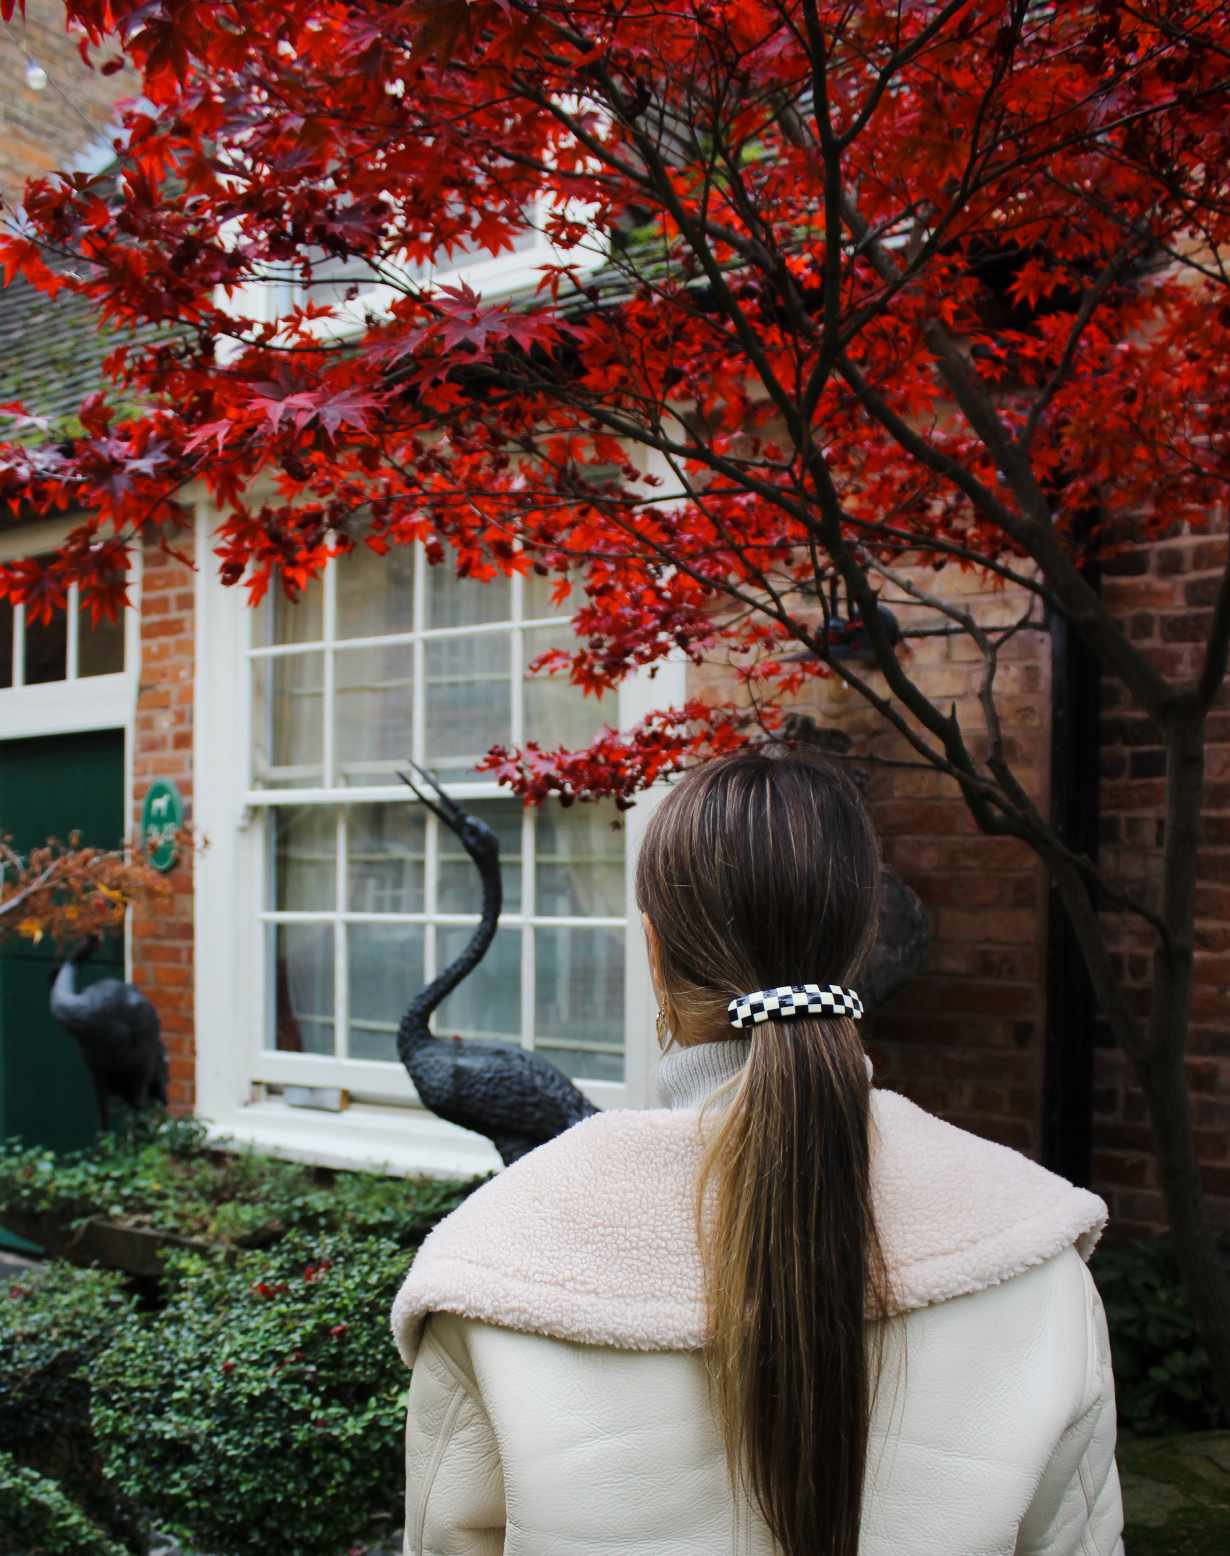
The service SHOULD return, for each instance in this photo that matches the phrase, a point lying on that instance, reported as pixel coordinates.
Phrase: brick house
(324, 900)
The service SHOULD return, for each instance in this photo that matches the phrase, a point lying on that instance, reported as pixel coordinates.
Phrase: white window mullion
(19, 645)
(418, 694)
(463, 920)
(72, 635)
(360, 794)
(529, 831)
(328, 679)
(469, 629)
(267, 1036)
(418, 736)
(516, 660)
(431, 856)
(341, 946)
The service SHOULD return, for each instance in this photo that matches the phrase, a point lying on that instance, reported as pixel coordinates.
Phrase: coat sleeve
(454, 1478)
(1077, 1509)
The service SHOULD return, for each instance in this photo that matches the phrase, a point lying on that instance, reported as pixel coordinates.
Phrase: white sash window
(350, 896)
(368, 897)
(69, 673)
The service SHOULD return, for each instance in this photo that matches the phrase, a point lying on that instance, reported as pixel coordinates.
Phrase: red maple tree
(838, 294)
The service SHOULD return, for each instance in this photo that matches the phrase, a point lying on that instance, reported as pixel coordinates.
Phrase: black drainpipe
(1071, 1007)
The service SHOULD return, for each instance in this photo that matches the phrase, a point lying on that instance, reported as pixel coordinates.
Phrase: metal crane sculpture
(118, 1032)
(518, 1099)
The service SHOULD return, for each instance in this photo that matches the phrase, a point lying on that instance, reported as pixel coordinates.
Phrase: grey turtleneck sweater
(686, 1076)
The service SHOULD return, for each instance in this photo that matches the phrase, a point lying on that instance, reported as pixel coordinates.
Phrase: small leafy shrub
(262, 1409)
(1163, 1381)
(37, 1518)
(55, 1321)
(166, 1176)
(363, 1204)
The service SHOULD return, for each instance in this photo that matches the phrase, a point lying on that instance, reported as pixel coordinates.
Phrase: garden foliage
(55, 1322)
(262, 1409)
(37, 1518)
(167, 1178)
(264, 1403)
(1163, 1381)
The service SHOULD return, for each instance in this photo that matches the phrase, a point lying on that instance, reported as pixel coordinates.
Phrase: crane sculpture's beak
(446, 810)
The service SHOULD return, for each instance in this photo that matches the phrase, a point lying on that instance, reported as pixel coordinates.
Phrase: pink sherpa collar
(590, 1238)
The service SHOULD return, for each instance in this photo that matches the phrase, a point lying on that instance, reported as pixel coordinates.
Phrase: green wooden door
(48, 788)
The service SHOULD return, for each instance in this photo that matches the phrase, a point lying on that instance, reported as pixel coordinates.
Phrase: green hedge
(38, 1519)
(166, 1177)
(55, 1322)
(263, 1409)
(1163, 1380)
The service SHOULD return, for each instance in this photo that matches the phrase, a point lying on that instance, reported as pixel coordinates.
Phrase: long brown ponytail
(759, 869)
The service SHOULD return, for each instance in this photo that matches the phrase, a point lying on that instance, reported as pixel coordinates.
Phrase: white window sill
(400, 1142)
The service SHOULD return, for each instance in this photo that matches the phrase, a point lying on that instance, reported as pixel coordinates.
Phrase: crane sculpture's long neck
(415, 1027)
(66, 1003)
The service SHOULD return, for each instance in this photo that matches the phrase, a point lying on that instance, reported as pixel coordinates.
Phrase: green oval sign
(162, 815)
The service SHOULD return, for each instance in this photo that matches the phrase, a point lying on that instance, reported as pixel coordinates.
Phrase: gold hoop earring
(660, 1024)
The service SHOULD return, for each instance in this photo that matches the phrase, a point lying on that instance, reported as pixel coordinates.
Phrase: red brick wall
(965, 1039)
(163, 939)
(1163, 594)
(39, 131)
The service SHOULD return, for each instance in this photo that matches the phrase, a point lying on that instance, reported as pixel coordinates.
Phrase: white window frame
(77, 704)
(494, 277)
(384, 1125)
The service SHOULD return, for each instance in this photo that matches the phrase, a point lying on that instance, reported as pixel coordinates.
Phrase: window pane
(463, 602)
(580, 861)
(385, 973)
(305, 861)
(579, 1001)
(536, 598)
(301, 620)
(375, 594)
(488, 1002)
(47, 649)
(556, 712)
(303, 988)
(373, 731)
(288, 731)
(100, 646)
(468, 700)
(6, 643)
(385, 859)
(459, 887)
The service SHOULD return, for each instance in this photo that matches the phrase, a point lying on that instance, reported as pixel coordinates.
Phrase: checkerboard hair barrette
(793, 999)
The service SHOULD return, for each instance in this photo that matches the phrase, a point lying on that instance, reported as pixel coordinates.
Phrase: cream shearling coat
(558, 1401)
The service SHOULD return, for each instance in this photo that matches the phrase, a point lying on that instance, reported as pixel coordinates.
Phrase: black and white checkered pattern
(793, 999)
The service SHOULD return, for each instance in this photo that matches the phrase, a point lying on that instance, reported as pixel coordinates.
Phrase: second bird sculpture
(117, 1030)
(518, 1099)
